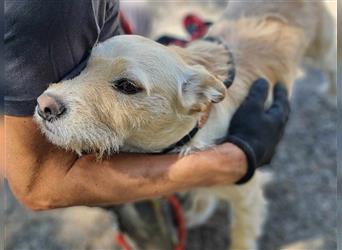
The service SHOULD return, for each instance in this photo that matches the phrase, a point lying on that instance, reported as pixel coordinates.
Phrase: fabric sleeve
(47, 41)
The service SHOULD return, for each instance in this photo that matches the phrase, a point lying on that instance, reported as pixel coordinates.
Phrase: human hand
(258, 131)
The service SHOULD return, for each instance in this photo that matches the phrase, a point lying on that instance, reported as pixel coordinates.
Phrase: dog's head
(134, 93)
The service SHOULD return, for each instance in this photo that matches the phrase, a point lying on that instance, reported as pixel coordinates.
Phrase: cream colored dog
(137, 95)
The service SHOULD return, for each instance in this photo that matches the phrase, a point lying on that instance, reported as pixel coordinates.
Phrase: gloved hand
(257, 131)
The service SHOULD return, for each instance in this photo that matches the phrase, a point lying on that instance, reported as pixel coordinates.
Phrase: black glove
(257, 131)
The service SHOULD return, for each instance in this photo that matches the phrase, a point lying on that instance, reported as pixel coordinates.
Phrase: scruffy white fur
(268, 39)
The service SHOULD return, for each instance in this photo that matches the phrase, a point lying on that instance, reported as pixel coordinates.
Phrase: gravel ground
(302, 196)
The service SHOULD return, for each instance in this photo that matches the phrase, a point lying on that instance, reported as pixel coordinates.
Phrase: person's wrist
(250, 157)
(228, 164)
(238, 162)
(222, 165)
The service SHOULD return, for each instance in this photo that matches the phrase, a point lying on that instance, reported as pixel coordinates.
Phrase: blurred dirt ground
(302, 195)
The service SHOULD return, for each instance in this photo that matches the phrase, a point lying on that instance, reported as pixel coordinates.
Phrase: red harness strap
(195, 26)
(121, 241)
(127, 28)
(180, 220)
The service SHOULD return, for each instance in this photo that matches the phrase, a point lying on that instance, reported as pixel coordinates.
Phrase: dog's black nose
(49, 108)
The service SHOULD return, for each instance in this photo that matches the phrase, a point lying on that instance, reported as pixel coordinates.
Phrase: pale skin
(42, 176)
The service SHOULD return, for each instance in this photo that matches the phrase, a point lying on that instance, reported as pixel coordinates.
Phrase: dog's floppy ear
(200, 88)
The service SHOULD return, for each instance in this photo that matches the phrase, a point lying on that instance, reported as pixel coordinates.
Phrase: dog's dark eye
(126, 86)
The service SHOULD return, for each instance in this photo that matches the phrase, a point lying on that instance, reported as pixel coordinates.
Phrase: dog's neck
(261, 48)
(217, 59)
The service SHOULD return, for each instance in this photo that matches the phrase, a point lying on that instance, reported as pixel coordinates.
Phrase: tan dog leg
(248, 215)
(248, 209)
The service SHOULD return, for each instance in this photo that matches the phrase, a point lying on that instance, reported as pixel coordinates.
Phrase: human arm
(43, 176)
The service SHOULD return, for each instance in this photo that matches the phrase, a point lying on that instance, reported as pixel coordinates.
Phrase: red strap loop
(180, 220)
(126, 27)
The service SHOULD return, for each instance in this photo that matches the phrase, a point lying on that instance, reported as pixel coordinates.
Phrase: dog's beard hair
(88, 138)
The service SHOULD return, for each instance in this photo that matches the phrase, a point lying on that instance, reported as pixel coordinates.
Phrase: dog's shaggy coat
(268, 39)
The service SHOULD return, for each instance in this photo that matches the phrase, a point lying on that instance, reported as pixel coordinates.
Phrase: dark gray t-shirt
(49, 40)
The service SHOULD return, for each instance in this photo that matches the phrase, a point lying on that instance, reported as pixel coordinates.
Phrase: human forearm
(132, 177)
(125, 178)
(43, 176)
